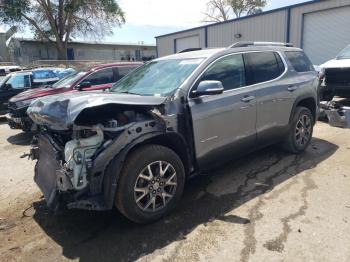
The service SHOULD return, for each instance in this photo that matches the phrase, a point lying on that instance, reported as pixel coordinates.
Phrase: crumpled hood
(34, 93)
(60, 111)
(334, 63)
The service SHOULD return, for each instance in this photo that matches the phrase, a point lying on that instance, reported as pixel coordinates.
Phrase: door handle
(292, 88)
(247, 99)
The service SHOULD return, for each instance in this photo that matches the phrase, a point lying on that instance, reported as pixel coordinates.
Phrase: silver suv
(134, 146)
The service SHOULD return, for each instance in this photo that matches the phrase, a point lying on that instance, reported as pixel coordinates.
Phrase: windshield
(68, 80)
(344, 54)
(157, 78)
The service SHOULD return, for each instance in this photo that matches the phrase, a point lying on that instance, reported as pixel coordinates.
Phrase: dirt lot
(268, 206)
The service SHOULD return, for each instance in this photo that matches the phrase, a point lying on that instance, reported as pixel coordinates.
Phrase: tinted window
(229, 70)
(123, 71)
(264, 66)
(299, 61)
(101, 77)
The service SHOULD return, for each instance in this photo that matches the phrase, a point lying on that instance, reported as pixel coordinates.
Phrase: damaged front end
(78, 139)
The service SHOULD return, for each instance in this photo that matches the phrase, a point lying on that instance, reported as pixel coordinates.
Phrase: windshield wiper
(129, 93)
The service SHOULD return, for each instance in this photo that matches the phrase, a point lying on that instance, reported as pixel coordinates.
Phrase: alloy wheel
(155, 186)
(303, 130)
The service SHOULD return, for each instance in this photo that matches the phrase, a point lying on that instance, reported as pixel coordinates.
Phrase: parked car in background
(15, 83)
(99, 77)
(177, 116)
(62, 73)
(335, 76)
(4, 70)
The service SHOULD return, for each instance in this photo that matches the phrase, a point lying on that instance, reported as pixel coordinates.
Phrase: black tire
(292, 143)
(136, 163)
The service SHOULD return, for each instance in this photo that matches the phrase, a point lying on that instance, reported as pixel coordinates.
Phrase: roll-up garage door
(187, 42)
(326, 33)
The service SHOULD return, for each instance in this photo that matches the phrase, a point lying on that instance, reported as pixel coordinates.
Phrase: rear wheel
(301, 130)
(151, 183)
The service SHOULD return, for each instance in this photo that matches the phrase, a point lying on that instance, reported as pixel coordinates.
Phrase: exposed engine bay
(73, 156)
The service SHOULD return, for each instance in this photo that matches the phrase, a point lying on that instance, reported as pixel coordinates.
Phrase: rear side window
(229, 70)
(299, 61)
(263, 66)
(101, 77)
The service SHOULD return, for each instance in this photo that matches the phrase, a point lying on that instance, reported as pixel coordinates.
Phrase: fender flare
(114, 167)
(297, 101)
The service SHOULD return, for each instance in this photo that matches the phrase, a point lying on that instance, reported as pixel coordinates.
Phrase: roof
(23, 39)
(206, 53)
(119, 64)
(193, 54)
(242, 18)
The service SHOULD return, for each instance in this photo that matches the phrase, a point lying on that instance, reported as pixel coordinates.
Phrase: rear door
(101, 79)
(224, 125)
(274, 101)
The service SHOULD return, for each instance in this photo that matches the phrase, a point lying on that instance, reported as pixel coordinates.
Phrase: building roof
(244, 17)
(22, 39)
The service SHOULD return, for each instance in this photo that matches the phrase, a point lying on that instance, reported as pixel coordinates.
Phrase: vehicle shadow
(21, 139)
(108, 236)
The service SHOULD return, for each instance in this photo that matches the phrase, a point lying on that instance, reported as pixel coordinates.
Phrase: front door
(224, 125)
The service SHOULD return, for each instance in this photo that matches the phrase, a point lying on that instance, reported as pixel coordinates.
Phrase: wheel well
(309, 103)
(172, 141)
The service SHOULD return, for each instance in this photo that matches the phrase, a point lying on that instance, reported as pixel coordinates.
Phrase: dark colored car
(175, 117)
(15, 83)
(96, 78)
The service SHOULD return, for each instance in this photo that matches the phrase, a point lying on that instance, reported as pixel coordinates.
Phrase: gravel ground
(267, 206)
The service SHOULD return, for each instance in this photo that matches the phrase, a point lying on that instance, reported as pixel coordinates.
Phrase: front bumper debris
(24, 123)
(45, 172)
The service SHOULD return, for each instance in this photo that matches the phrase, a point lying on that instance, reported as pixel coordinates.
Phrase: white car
(4, 70)
(335, 76)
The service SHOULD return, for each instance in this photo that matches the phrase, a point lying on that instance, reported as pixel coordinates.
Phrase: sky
(146, 19)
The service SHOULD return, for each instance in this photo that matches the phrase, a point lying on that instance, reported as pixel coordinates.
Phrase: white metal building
(320, 27)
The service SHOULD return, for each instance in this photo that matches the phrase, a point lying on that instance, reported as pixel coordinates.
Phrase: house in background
(25, 51)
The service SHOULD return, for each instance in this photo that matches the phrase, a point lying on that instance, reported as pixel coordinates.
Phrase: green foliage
(222, 10)
(58, 20)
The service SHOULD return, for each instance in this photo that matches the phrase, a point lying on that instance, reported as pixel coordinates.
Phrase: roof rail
(190, 50)
(250, 43)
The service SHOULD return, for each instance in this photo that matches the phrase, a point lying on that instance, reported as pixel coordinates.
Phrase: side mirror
(208, 87)
(82, 85)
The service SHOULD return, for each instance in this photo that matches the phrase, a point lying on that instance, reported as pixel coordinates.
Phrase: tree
(217, 10)
(222, 10)
(57, 21)
(241, 7)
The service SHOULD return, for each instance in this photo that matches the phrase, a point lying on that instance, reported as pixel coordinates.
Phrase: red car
(99, 77)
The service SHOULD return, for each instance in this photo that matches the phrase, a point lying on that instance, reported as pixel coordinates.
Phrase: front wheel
(301, 129)
(151, 183)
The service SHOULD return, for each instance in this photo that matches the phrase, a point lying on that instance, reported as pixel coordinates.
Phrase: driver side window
(229, 70)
